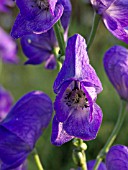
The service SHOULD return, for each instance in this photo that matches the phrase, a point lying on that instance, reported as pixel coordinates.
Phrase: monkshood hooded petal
(76, 65)
(36, 17)
(117, 158)
(8, 48)
(114, 14)
(116, 67)
(77, 114)
(6, 102)
(22, 127)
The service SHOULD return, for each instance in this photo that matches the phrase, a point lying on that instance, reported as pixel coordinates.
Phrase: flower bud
(116, 67)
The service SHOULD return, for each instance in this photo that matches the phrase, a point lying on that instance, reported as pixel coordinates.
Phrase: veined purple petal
(30, 115)
(114, 14)
(116, 67)
(13, 150)
(117, 158)
(6, 101)
(39, 22)
(76, 65)
(8, 48)
(79, 126)
(60, 106)
(59, 135)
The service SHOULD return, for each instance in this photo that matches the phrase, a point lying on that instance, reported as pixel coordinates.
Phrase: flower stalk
(78, 155)
(59, 32)
(105, 149)
(96, 20)
(37, 160)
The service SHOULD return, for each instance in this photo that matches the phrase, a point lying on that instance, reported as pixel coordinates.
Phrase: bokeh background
(20, 79)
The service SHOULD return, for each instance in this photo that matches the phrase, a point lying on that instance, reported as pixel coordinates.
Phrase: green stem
(105, 149)
(79, 156)
(59, 32)
(37, 160)
(94, 29)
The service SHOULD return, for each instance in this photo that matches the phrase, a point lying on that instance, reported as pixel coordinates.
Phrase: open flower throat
(76, 97)
(42, 4)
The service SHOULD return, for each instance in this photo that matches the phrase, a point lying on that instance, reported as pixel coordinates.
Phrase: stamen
(76, 97)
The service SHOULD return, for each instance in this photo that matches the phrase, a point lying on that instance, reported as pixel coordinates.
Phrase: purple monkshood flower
(116, 67)
(77, 86)
(6, 102)
(22, 127)
(8, 48)
(115, 16)
(117, 158)
(40, 47)
(4, 4)
(37, 16)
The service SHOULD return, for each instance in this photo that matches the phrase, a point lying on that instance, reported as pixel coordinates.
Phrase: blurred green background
(20, 79)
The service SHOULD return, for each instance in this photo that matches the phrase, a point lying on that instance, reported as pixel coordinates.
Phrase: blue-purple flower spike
(116, 67)
(77, 85)
(114, 14)
(117, 158)
(36, 16)
(20, 130)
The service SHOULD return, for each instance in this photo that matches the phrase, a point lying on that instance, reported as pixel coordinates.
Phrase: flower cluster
(42, 47)
(37, 16)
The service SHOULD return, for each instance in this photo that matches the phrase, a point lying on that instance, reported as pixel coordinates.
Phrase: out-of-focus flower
(90, 165)
(117, 158)
(116, 67)
(115, 16)
(77, 86)
(22, 127)
(8, 48)
(37, 16)
(4, 4)
(6, 101)
(40, 48)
